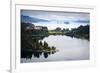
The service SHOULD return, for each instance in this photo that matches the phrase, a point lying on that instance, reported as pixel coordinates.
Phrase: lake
(69, 49)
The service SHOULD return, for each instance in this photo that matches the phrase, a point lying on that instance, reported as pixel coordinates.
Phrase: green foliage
(45, 45)
(41, 43)
(53, 48)
(80, 32)
(58, 29)
(30, 38)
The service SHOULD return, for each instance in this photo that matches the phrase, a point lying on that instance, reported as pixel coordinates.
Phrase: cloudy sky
(58, 19)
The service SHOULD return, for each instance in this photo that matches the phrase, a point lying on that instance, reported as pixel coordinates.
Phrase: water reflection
(68, 49)
(28, 54)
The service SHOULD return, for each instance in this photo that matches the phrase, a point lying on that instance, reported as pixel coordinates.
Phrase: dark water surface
(69, 49)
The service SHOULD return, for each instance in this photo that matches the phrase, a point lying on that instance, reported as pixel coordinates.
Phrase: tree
(53, 48)
(41, 43)
(45, 45)
(67, 29)
(58, 29)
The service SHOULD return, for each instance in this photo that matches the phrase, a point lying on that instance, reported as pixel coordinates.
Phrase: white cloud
(60, 16)
(53, 25)
(57, 19)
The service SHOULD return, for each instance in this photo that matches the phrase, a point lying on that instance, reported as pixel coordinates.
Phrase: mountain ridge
(28, 19)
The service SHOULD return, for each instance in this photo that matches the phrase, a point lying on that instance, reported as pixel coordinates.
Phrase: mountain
(67, 22)
(28, 19)
(82, 21)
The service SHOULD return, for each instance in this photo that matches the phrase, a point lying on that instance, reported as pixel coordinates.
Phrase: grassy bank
(56, 33)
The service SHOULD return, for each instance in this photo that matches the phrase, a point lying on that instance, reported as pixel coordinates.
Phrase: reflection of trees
(79, 32)
(45, 54)
(28, 54)
(31, 43)
(37, 54)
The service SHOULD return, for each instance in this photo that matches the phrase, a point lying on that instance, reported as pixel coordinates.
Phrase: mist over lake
(54, 24)
(54, 36)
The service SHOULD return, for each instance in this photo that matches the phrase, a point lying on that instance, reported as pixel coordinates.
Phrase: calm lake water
(69, 49)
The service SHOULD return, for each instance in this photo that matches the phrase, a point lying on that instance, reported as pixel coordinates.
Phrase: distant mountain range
(28, 19)
(83, 21)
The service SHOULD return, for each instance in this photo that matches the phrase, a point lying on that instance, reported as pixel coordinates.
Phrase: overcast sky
(58, 19)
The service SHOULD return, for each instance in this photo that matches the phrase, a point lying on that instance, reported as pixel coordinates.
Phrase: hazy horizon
(55, 19)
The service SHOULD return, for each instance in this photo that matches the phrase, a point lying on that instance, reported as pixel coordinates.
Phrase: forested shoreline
(32, 35)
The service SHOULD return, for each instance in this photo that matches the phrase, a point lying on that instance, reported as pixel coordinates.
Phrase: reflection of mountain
(28, 19)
